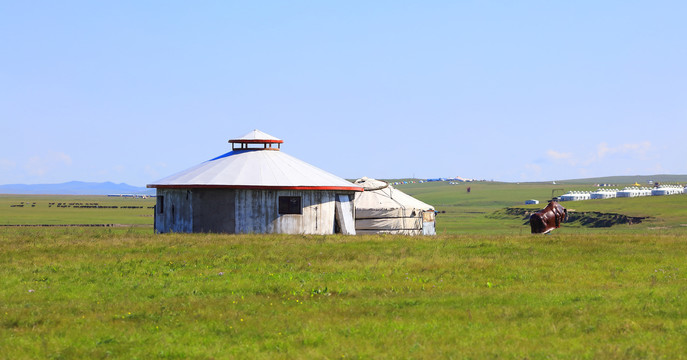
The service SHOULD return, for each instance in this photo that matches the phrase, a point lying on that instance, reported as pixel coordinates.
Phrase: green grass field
(46, 212)
(469, 213)
(90, 293)
(483, 288)
(461, 212)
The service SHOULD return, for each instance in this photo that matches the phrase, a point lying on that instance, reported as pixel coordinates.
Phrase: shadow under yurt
(383, 209)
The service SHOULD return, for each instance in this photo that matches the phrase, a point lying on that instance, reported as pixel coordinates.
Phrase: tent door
(344, 214)
(428, 223)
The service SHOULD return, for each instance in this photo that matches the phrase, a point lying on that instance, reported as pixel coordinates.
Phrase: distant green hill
(622, 180)
(477, 211)
(75, 188)
(628, 179)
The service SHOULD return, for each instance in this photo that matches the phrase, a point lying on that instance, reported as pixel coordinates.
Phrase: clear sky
(133, 91)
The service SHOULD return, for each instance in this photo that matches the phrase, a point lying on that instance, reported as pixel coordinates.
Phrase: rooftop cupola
(256, 140)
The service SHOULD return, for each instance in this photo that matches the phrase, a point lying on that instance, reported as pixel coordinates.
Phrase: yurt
(604, 194)
(381, 208)
(667, 190)
(632, 191)
(255, 188)
(575, 196)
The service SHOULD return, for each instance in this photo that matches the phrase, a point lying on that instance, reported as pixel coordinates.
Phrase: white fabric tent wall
(383, 209)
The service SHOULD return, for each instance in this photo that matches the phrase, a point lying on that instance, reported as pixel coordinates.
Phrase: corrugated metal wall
(173, 212)
(257, 212)
(245, 211)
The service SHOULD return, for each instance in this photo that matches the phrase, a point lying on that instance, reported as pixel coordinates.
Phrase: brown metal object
(548, 218)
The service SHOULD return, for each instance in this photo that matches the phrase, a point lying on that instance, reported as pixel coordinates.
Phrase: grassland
(470, 213)
(483, 288)
(461, 212)
(90, 293)
(75, 209)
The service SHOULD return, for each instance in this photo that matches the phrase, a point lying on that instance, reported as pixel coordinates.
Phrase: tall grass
(95, 293)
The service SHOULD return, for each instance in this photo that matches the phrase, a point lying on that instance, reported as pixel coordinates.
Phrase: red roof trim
(255, 149)
(256, 141)
(256, 187)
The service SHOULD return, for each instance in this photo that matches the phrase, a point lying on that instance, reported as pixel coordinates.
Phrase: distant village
(630, 191)
(452, 181)
(136, 196)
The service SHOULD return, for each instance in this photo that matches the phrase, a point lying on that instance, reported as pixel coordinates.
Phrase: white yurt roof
(256, 168)
(257, 136)
(381, 196)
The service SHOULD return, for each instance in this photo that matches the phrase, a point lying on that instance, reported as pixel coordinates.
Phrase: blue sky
(133, 91)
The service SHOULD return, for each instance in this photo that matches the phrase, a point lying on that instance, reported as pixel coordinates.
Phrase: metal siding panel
(327, 213)
(245, 213)
(269, 210)
(160, 225)
(177, 215)
(256, 211)
(239, 212)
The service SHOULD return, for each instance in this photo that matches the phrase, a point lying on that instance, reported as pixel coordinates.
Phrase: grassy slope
(579, 293)
(89, 293)
(665, 212)
(465, 212)
(468, 212)
(42, 213)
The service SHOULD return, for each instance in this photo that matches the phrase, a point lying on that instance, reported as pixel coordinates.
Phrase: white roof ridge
(257, 135)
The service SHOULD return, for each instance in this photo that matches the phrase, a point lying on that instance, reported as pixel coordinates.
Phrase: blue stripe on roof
(235, 152)
(224, 155)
